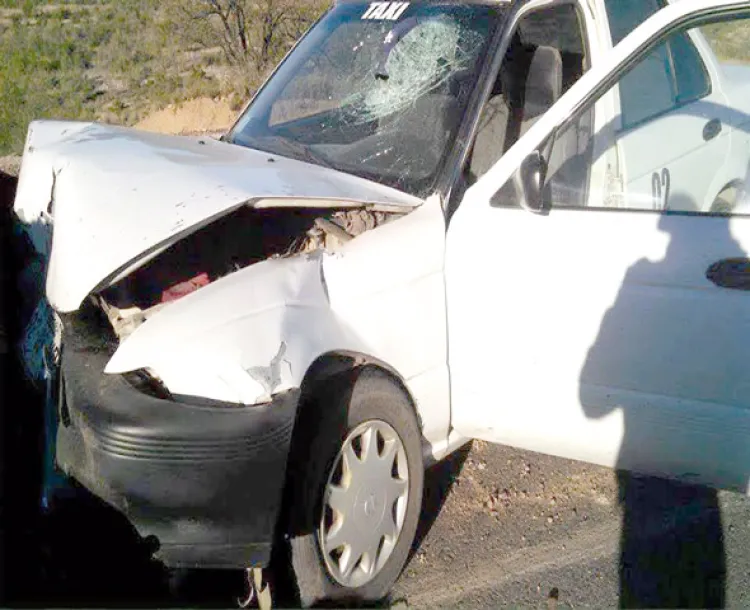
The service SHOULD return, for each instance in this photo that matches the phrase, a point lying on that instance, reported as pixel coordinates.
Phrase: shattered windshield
(375, 89)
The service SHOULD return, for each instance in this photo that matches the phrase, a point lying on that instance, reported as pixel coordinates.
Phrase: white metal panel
(596, 335)
(119, 194)
(382, 296)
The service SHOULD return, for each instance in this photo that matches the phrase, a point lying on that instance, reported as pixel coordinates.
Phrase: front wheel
(356, 479)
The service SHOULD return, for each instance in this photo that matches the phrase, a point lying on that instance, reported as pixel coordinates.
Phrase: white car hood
(117, 197)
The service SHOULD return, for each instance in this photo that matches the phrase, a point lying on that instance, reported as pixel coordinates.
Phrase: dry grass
(198, 115)
(730, 41)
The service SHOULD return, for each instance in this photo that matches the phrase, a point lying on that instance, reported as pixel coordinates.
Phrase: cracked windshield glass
(375, 89)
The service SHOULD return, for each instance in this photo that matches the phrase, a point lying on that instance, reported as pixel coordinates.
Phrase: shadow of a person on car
(672, 543)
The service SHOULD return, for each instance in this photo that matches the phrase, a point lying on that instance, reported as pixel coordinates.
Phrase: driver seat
(544, 85)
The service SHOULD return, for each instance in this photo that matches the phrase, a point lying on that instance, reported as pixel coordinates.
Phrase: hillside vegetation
(730, 40)
(117, 61)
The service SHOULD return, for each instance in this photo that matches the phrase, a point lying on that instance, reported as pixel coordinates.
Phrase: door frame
(498, 48)
(595, 82)
(589, 88)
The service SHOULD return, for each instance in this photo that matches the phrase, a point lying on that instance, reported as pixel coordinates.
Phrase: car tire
(376, 492)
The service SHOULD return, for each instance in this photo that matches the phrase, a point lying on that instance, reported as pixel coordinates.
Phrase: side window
(672, 75)
(648, 90)
(691, 76)
(626, 15)
(546, 57)
(695, 160)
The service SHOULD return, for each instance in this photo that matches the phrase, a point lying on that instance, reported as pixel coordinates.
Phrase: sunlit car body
(216, 294)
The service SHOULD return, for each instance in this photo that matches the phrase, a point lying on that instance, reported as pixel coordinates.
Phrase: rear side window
(672, 75)
(647, 91)
(626, 15)
(691, 75)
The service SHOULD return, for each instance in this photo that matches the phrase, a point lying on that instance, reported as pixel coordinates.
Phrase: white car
(435, 222)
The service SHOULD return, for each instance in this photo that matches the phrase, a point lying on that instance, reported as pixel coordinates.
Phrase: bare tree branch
(252, 34)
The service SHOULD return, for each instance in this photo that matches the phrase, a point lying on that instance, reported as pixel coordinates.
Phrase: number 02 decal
(660, 185)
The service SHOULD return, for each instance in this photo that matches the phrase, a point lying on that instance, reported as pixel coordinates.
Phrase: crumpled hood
(118, 197)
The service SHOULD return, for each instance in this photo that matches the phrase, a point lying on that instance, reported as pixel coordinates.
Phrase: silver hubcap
(364, 504)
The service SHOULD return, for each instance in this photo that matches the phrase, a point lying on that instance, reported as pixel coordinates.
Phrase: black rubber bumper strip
(206, 482)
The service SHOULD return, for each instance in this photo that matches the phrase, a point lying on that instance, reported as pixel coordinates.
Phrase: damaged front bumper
(206, 481)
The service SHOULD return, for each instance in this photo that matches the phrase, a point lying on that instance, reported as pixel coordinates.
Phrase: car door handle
(712, 129)
(733, 273)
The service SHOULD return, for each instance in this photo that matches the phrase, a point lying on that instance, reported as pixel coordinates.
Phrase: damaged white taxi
(436, 221)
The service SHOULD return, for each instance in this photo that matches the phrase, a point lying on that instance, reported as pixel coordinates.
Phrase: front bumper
(206, 481)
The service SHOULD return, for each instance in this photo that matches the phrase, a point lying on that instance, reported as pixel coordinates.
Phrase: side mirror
(532, 176)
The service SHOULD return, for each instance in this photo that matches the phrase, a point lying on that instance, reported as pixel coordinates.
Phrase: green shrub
(42, 76)
(116, 61)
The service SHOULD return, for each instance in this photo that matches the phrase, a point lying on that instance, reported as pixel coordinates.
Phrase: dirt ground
(490, 505)
(195, 116)
(9, 166)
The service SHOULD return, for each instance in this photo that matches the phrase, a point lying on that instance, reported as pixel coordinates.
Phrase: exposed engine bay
(234, 242)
